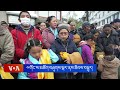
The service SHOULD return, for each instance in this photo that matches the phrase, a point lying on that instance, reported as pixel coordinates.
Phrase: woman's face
(53, 22)
(36, 52)
(63, 34)
(42, 26)
(96, 35)
(89, 42)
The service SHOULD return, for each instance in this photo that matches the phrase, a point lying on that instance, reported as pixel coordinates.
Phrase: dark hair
(109, 50)
(107, 25)
(90, 36)
(95, 31)
(69, 22)
(116, 20)
(22, 12)
(92, 26)
(39, 23)
(31, 43)
(49, 19)
(111, 23)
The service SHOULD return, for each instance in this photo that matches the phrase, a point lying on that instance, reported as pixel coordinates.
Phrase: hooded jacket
(87, 55)
(109, 67)
(20, 38)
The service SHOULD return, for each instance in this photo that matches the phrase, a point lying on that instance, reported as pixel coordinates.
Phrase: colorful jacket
(20, 38)
(48, 38)
(47, 57)
(87, 55)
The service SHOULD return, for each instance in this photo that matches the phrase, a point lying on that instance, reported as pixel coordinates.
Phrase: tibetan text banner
(59, 68)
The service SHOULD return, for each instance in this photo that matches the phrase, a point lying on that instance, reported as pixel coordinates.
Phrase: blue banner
(60, 68)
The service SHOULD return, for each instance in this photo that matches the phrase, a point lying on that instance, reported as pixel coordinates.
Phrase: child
(108, 66)
(34, 54)
(86, 53)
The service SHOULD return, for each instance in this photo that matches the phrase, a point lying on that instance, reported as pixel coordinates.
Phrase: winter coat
(20, 38)
(87, 55)
(103, 41)
(109, 67)
(82, 34)
(58, 47)
(6, 47)
(47, 57)
(48, 38)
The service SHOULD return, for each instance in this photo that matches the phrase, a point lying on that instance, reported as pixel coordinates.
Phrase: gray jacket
(6, 47)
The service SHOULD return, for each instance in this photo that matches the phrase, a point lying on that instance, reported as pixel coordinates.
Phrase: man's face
(87, 28)
(117, 25)
(107, 30)
(72, 26)
(24, 14)
(25, 19)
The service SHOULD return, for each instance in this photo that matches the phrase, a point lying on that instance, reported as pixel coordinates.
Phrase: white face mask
(25, 21)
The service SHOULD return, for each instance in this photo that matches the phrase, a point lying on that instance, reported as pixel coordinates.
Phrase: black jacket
(58, 47)
(82, 34)
(103, 41)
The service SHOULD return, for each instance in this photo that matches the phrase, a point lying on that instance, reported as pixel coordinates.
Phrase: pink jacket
(48, 38)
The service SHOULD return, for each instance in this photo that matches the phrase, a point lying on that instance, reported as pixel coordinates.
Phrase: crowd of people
(52, 43)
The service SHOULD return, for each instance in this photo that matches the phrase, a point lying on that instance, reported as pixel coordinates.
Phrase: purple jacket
(87, 55)
(48, 38)
(31, 75)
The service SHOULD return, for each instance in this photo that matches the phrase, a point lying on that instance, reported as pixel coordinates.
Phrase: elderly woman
(63, 44)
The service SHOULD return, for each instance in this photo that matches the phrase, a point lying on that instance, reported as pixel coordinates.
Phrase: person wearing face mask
(22, 33)
(6, 46)
(50, 34)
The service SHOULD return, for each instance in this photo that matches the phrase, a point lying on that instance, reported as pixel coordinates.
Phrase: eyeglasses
(65, 33)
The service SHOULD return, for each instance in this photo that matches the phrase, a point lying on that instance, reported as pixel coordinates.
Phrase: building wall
(50, 13)
(3, 16)
(103, 17)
